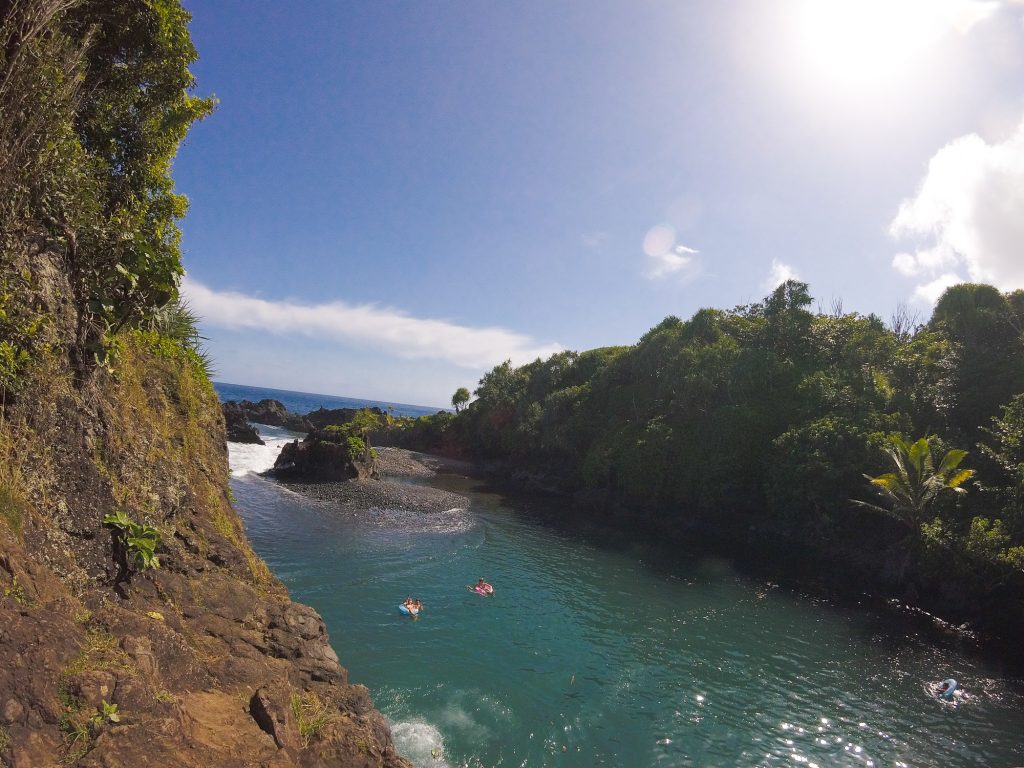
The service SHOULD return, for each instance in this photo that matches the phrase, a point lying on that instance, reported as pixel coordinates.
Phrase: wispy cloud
(781, 272)
(966, 215)
(389, 330)
(666, 258)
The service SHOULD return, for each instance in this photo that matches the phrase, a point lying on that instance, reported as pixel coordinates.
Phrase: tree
(909, 491)
(95, 97)
(460, 398)
(989, 364)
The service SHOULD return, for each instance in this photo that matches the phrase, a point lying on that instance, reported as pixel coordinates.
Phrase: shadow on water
(887, 622)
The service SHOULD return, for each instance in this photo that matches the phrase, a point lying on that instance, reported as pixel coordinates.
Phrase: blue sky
(392, 197)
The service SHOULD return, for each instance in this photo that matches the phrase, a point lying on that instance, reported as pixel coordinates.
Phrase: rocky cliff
(201, 661)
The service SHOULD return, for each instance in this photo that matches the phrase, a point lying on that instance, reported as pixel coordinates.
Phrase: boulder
(326, 455)
(239, 430)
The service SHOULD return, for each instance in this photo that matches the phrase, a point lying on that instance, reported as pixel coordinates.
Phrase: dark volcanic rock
(238, 427)
(274, 413)
(324, 417)
(326, 456)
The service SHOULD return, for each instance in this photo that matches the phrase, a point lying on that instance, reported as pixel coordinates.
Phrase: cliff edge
(200, 661)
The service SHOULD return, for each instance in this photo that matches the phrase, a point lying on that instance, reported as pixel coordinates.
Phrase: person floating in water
(483, 587)
(412, 606)
(946, 688)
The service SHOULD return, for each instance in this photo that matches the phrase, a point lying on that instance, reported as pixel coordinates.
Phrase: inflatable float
(946, 688)
(408, 611)
(488, 590)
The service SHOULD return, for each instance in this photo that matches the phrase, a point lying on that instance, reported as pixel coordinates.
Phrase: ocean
(304, 402)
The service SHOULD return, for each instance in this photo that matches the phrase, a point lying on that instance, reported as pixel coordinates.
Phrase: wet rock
(239, 430)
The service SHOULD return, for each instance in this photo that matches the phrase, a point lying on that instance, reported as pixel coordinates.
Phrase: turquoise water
(595, 654)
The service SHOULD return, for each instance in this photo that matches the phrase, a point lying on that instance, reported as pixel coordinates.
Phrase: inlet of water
(592, 655)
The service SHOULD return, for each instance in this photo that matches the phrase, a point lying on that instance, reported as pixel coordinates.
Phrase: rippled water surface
(594, 655)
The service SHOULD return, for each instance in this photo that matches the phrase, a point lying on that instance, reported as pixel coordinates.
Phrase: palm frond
(951, 461)
(961, 477)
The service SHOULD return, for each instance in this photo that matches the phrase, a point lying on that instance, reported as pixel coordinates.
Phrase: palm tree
(460, 398)
(909, 491)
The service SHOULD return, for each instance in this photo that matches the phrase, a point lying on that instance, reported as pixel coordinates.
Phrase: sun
(863, 42)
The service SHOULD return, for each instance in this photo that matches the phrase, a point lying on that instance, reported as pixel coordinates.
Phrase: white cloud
(968, 214)
(389, 330)
(929, 292)
(780, 273)
(665, 257)
(679, 260)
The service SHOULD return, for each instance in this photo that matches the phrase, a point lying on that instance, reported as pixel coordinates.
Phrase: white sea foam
(452, 521)
(249, 458)
(420, 742)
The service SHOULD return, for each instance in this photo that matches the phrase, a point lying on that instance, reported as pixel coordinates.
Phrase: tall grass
(177, 321)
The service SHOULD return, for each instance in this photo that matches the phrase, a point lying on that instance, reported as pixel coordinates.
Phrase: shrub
(139, 540)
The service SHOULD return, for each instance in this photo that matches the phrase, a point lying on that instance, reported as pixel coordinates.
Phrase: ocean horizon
(305, 402)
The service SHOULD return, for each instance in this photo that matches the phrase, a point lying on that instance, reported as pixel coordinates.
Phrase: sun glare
(860, 42)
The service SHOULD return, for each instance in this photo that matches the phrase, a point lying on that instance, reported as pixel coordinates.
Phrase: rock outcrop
(325, 417)
(326, 455)
(203, 661)
(237, 425)
(274, 413)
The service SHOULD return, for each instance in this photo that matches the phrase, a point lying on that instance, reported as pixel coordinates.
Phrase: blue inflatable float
(946, 688)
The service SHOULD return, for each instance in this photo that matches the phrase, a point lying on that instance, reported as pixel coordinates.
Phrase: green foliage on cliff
(353, 434)
(763, 419)
(138, 540)
(95, 97)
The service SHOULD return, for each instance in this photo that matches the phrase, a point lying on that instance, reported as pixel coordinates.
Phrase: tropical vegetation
(95, 98)
(757, 425)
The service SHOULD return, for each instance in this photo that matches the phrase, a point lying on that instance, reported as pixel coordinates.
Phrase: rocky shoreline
(393, 490)
(354, 486)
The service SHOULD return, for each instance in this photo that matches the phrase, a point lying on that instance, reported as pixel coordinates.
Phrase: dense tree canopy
(767, 417)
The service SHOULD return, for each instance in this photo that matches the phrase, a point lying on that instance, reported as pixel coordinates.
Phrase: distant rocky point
(324, 417)
(242, 414)
(270, 412)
